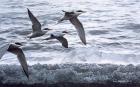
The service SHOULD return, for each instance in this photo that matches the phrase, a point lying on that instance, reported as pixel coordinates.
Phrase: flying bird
(73, 18)
(36, 26)
(15, 49)
(60, 37)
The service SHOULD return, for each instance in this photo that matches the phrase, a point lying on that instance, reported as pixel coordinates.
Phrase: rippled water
(112, 30)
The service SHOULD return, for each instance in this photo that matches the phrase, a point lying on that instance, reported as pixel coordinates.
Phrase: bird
(36, 26)
(60, 37)
(14, 48)
(72, 16)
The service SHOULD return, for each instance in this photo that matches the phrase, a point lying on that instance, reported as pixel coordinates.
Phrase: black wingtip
(27, 77)
(26, 73)
(85, 43)
(66, 47)
(28, 9)
(29, 12)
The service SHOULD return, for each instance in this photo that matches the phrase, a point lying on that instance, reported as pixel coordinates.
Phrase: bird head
(78, 12)
(18, 44)
(65, 32)
(69, 15)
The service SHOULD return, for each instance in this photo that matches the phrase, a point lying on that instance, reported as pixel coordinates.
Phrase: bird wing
(36, 26)
(80, 29)
(21, 57)
(63, 41)
(3, 49)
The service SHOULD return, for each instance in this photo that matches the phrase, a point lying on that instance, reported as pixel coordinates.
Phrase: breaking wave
(75, 73)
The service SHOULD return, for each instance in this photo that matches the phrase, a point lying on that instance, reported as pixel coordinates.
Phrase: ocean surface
(112, 31)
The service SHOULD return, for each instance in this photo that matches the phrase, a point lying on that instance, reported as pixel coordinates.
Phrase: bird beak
(28, 9)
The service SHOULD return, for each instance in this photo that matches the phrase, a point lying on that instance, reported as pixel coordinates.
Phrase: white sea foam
(77, 73)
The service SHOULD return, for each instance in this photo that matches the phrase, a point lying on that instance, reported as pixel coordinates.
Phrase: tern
(60, 37)
(36, 26)
(73, 18)
(14, 48)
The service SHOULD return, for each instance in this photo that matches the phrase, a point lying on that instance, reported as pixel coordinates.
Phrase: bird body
(36, 26)
(36, 34)
(60, 37)
(72, 17)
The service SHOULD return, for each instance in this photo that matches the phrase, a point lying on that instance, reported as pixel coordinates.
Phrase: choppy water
(74, 73)
(112, 30)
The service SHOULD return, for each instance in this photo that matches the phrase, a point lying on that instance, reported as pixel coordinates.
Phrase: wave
(75, 73)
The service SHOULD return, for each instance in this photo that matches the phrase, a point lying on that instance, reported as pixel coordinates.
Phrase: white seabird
(60, 37)
(72, 17)
(14, 49)
(36, 26)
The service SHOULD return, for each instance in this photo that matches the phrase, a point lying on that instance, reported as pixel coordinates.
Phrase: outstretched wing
(21, 57)
(36, 26)
(63, 41)
(80, 29)
(3, 49)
